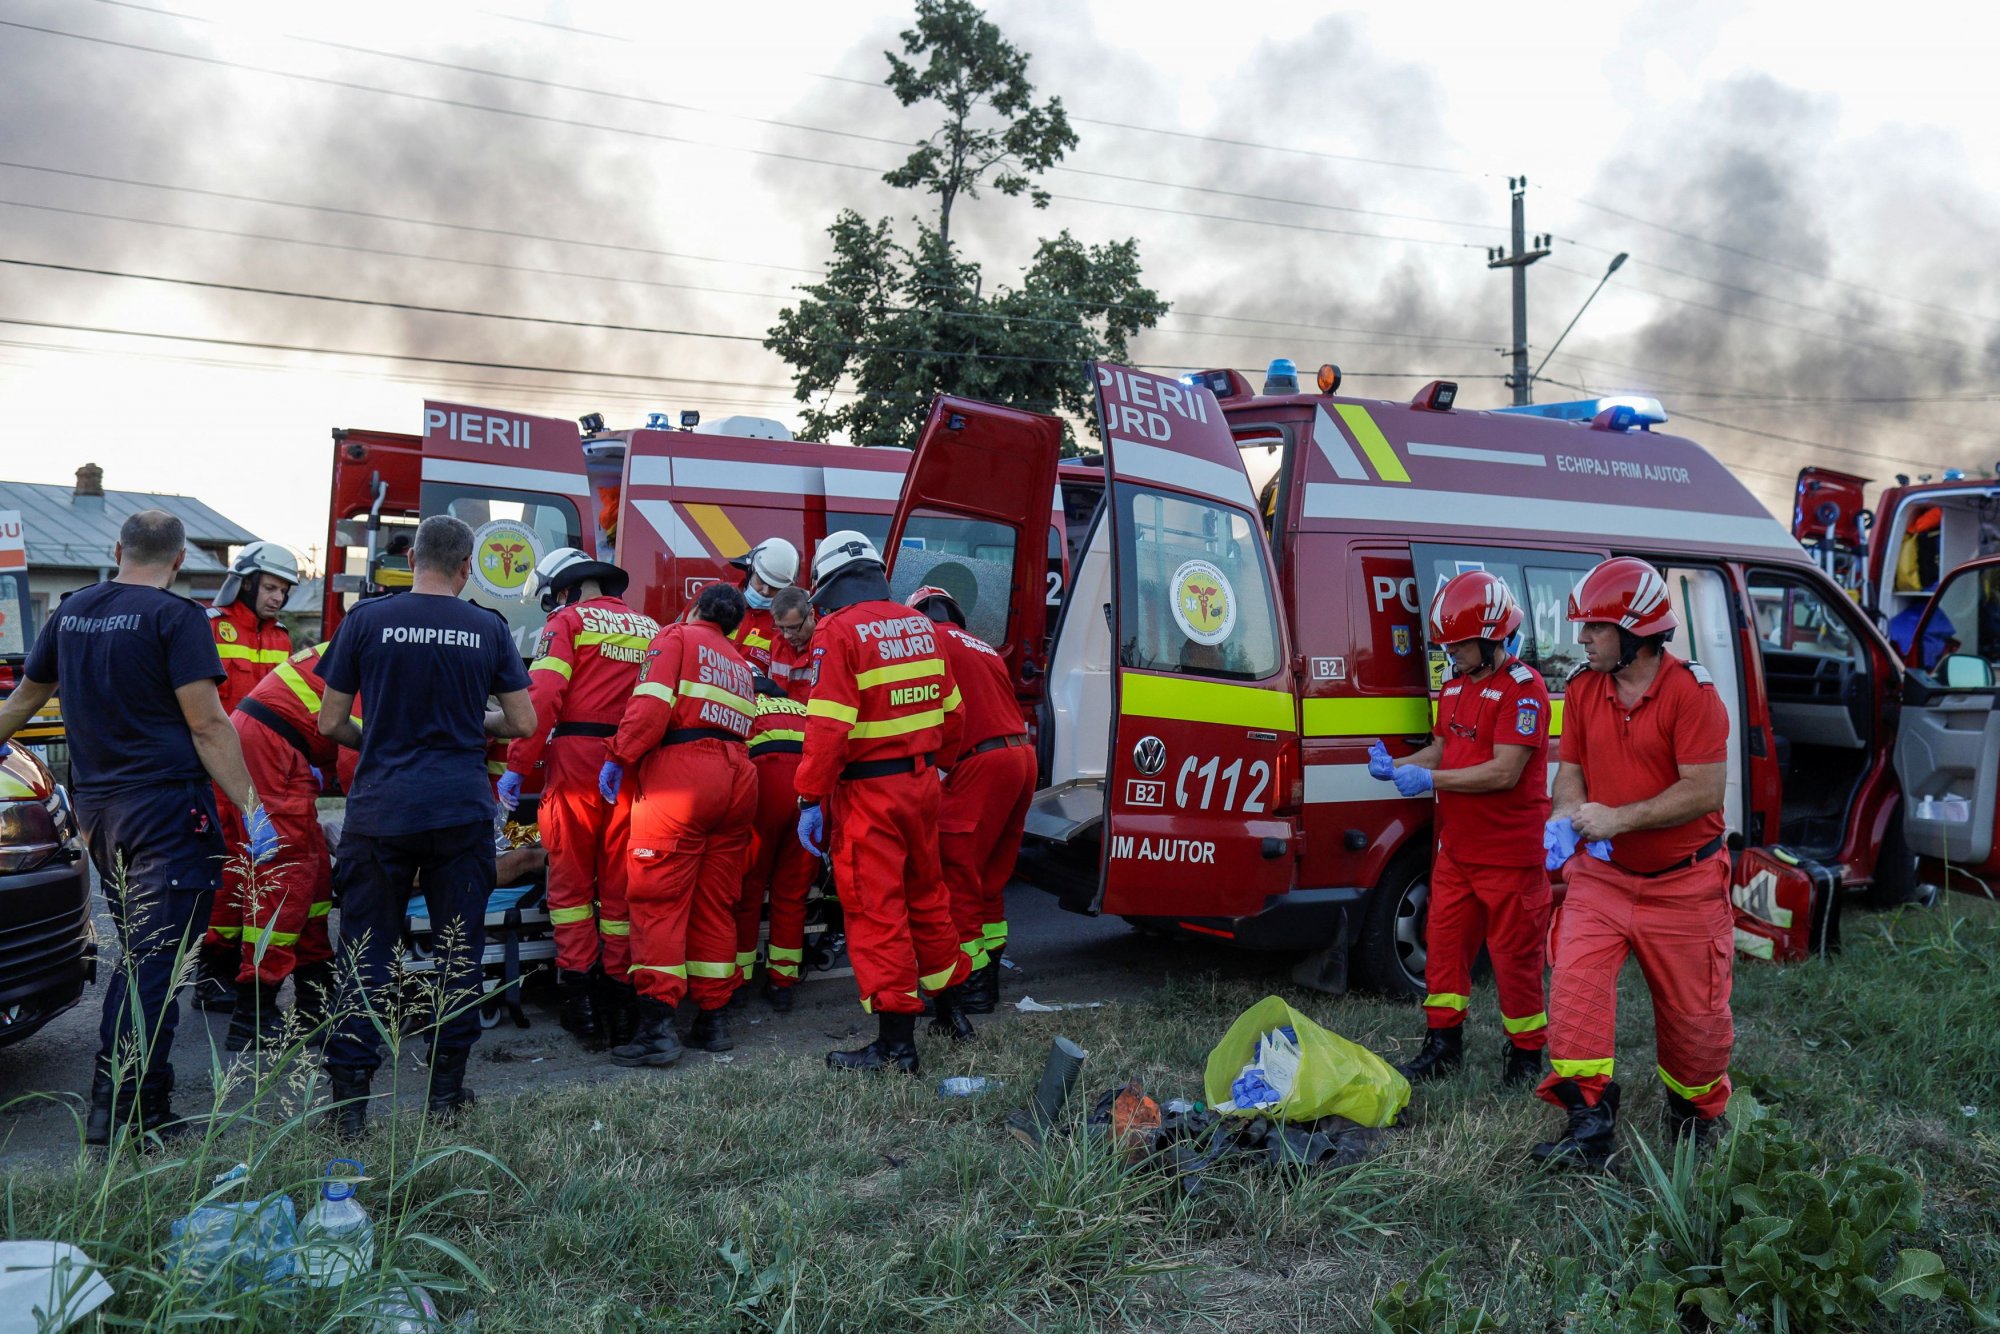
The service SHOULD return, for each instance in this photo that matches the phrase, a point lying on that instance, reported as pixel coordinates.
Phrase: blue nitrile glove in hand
(812, 830)
(1412, 780)
(1379, 764)
(263, 837)
(1601, 849)
(509, 789)
(608, 780)
(1559, 841)
(319, 779)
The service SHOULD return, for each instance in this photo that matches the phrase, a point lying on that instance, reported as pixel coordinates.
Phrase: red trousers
(885, 862)
(780, 864)
(984, 807)
(691, 819)
(586, 842)
(276, 912)
(1682, 929)
(1506, 908)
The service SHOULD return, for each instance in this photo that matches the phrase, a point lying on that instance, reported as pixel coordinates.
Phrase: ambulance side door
(973, 519)
(1948, 735)
(1203, 771)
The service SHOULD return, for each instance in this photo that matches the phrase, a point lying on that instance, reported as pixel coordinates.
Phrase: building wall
(47, 587)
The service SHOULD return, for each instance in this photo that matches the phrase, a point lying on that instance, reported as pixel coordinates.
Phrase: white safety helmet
(257, 558)
(774, 560)
(843, 550)
(566, 567)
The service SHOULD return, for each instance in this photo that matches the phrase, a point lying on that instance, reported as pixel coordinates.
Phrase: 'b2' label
(1145, 792)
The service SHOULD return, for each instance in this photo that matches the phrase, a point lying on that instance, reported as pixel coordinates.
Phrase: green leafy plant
(1430, 1304)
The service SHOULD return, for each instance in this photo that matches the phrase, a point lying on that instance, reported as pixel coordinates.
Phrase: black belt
(676, 735)
(1700, 854)
(998, 743)
(272, 719)
(883, 768)
(583, 729)
(777, 747)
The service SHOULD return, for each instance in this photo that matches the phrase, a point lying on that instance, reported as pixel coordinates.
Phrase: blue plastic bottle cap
(339, 1185)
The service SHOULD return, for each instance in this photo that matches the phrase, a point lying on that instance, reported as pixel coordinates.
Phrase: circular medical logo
(504, 553)
(225, 632)
(1204, 602)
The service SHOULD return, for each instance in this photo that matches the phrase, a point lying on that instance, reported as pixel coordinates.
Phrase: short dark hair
(722, 605)
(443, 544)
(790, 599)
(152, 537)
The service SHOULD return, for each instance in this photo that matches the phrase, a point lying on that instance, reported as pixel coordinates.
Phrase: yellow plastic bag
(1335, 1077)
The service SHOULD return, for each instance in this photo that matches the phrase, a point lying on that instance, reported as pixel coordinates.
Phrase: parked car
(48, 950)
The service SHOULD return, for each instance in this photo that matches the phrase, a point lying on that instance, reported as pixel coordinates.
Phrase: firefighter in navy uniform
(884, 707)
(1488, 763)
(580, 681)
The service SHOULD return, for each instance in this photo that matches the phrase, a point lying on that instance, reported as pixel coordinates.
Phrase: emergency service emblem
(225, 632)
(1399, 639)
(1150, 755)
(1204, 603)
(504, 555)
(1528, 718)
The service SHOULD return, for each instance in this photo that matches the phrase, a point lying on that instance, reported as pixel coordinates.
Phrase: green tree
(909, 320)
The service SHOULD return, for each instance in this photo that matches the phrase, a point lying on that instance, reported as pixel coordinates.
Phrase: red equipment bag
(1787, 906)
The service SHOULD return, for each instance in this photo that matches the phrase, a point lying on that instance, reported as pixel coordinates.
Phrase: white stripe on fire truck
(1473, 455)
(862, 484)
(1348, 782)
(1516, 514)
(781, 479)
(498, 474)
(1149, 463)
(673, 530)
(1334, 448)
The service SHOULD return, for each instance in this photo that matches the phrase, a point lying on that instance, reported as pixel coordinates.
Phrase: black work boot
(255, 1023)
(347, 1096)
(655, 1042)
(894, 1047)
(710, 1031)
(1442, 1053)
(980, 991)
(1589, 1136)
(111, 1104)
(312, 997)
(449, 1095)
(1685, 1121)
(949, 1021)
(779, 998)
(215, 977)
(617, 1010)
(579, 1008)
(156, 1109)
(1523, 1066)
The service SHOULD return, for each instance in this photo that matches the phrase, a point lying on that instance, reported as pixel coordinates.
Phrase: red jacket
(692, 678)
(755, 637)
(583, 671)
(292, 691)
(883, 691)
(990, 707)
(249, 649)
(791, 669)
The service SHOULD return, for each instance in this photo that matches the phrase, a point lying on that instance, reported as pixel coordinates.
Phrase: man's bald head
(151, 537)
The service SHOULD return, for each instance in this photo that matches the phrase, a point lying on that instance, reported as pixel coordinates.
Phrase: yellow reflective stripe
(722, 533)
(770, 704)
(703, 690)
(1581, 1069)
(826, 708)
(654, 689)
(781, 955)
(868, 1002)
(746, 958)
(776, 734)
(296, 682)
(1528, 1025)
(496, 767)
(703, 968)
(550, 664)
(1446, 1000)
(608, 927)
(320, 909)
(1555, 717)
(589, 637)
(755, 640)
(565, 916)
(975, 950)
(994, 932)
(671, 970)
(1369, 436)
(790, 970)
(1400, 715)
(252, 934)
(1205, 701)
(953, 700)
(228, 932)
(1687, 1091)
(938, 980)
(900, 671)
(916, 722)
(248, 654)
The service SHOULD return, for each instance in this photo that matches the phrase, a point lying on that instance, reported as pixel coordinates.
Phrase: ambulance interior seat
(1817, 682)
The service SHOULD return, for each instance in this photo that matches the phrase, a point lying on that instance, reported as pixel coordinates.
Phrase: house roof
(62, 534)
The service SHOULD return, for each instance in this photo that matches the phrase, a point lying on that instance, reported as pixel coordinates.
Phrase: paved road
(1061, 956)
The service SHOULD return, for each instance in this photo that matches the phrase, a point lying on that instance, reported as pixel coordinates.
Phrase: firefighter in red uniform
(778, 864)
(1488, 763)
(250, 642)
(695, 801)
(1641, 785)
(988, 786)
(284, 904)
(580, 681)
(884, 708)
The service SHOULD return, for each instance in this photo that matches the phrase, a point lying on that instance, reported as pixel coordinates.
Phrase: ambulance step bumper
(1303, 919)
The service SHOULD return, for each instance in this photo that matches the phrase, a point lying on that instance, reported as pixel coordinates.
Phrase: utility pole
(1519, 261)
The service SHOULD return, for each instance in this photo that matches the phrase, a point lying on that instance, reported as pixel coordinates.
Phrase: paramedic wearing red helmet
(1488, 764)
(988, 787)
(884, 708)
(1641, 786)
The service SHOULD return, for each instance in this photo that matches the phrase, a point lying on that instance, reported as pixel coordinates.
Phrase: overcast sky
(1808, 195)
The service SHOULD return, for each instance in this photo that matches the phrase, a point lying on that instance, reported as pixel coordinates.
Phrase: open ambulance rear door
(1831, 520)
(1948, 743)
(1204, 742)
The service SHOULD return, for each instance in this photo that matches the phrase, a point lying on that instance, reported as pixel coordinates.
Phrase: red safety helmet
(1474, 605)
(1628, 593)
(930, 591)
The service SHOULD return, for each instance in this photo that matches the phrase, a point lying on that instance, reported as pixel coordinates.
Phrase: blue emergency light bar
(1636, 411)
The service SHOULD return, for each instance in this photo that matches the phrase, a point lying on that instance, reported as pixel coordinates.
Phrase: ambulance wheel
(1389, 949)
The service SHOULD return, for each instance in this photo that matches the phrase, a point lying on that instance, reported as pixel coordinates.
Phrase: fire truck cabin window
(971, 559)
(1194, 588)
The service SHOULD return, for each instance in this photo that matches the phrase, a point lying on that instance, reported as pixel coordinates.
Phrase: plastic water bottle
(1927, 808)
(964, 1086)
(338, 1240)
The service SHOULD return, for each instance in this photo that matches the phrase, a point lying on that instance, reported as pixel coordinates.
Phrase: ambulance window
(512, 531)
(972, 559)
(874, 527)
(1792, 618)
(1194, 588)
(1542, 582)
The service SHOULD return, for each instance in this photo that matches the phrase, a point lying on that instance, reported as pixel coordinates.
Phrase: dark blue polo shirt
(423, 665)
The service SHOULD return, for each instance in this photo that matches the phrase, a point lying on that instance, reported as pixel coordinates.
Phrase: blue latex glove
(6, 749)
(1559, 842)
(319, 779)
(609, 778)
(812, 830)
(1379, 764)
(1412, 780)
(509, 789)
(263, 837)
(1601, 849)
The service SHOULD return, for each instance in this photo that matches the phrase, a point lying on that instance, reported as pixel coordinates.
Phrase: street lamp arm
(1616, 261)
